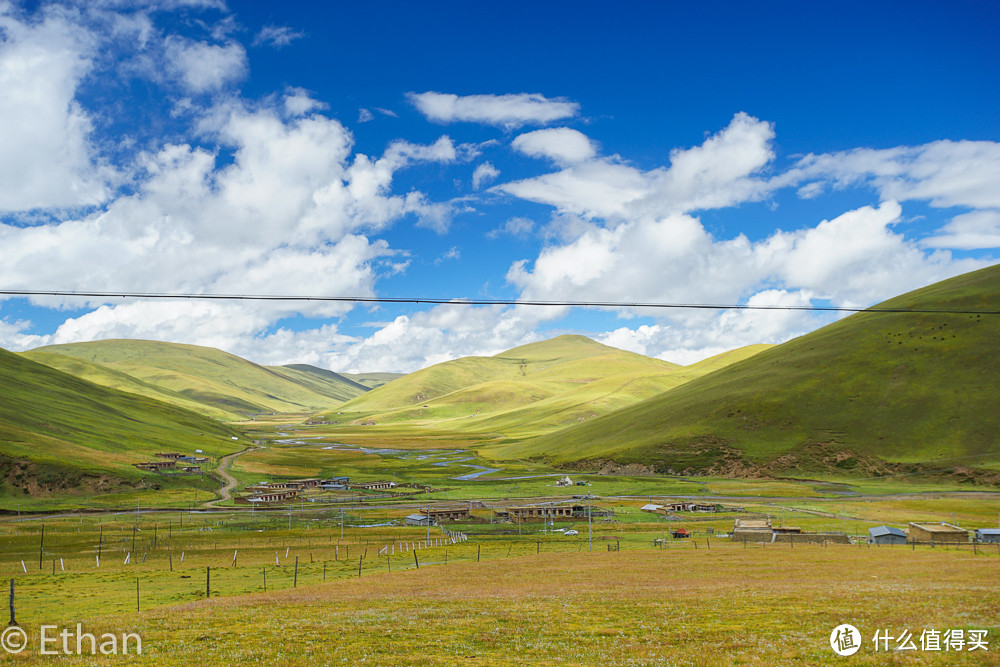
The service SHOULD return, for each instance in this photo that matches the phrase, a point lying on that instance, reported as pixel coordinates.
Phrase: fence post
(12, 621)
(137, 593)
(295, 578)
(415, 561)
(208, 581)
(360, 558)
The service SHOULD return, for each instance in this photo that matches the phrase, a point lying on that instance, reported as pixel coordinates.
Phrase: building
(651, 507)
(374, 486)
(886, 535)
(752, 530)
(937, 533)
(344, 481)
(191, 469)
(528, 512)
(439, 514)
(269, 497)
(565, 481)
(169, 455)
(418, 520)
(988, 535)
(156, 465)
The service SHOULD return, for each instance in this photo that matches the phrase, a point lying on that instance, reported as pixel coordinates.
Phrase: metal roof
(988, 531)
(879, 531)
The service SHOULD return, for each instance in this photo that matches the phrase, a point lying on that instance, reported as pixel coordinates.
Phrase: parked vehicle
(681, 533)
(571, 532)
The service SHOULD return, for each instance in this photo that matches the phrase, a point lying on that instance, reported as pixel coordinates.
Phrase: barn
(886, 535)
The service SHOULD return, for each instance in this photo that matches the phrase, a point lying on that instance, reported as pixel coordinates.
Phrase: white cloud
(299, 102)
(723, 171)
(968, 231)
(521, 227)
(483, 173)
(365, 116)
(945, 173)
(205, 68)
(277, 36)
(561, 144)
(508, 111)
(46, 157)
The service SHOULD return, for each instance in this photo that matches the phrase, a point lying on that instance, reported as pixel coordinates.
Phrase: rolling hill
(532, 389)
(898, 387)
(215, 383)
(61, 434)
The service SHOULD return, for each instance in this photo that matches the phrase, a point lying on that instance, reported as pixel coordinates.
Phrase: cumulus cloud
(562, 145)
(483, 173)
(721, 172)
(507, 111)
(288, 214)
(969, 231)
(47, 159)
(205, 68)
(944, 173)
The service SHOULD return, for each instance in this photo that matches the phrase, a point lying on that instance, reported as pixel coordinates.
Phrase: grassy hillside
(60, 434)
(210, 381)
(372, 380)
(523, 392)
(904, 387)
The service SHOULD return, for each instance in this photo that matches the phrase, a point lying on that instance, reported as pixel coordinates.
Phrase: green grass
(218, 384)
(903, 387)
(504, 599)
(64, 440)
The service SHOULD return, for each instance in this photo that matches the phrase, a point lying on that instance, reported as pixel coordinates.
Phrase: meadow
(497, 599)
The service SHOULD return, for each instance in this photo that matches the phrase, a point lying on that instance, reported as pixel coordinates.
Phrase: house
(336, 480)
(438, 514)
(156, 465)
(191, 469)
(418, 520)
(937, 533)
(565, 481)
(528, 512)
(374, 486)
(268, 497)
(990, 535)
(651, 507)
(169, 455)
(886, 535)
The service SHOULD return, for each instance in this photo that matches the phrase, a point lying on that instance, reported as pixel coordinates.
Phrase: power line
(455, 301)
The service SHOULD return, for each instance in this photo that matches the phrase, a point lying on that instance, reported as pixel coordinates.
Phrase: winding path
(227, 490)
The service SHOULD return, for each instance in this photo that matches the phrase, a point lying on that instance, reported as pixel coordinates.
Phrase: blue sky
(778, 154)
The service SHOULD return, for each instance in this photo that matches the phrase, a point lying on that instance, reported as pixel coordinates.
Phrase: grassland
(67, 442)
(203, 379)
(904, 387)
(495, 599)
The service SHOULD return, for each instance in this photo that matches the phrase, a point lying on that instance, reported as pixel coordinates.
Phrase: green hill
(898, 387)
(207, 380)
(523, 392)
(61, 435)
(547, 367)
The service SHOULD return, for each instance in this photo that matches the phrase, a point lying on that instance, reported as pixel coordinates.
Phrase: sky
(780, 154)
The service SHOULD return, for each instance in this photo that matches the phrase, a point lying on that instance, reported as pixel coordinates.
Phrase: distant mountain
(532, 389)
(204, 379)
(372, 380)
(60, 434)
(898, 387)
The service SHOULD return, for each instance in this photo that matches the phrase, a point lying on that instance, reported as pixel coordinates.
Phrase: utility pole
(590, 530)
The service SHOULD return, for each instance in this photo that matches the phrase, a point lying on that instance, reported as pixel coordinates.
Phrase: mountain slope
(213, 382)
(61, 433)
(550, 366)
(905, 387)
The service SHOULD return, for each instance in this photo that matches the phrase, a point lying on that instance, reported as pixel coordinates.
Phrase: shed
(417, 520)
(991, 535)
(886, 535)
